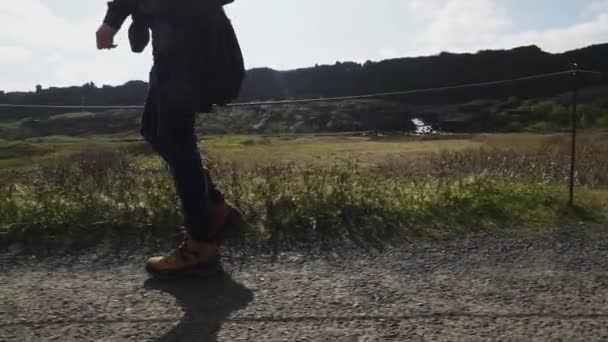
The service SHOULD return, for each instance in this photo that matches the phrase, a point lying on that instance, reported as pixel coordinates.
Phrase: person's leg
(172, 136)
(170, 130)
(149, 130)
(181, 152)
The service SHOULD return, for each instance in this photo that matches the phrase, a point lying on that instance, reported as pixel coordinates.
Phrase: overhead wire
(322, 99)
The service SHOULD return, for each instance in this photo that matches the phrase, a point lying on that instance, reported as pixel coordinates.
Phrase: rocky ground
(553, 289)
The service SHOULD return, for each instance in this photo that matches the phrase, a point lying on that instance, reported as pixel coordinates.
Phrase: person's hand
(105, 37)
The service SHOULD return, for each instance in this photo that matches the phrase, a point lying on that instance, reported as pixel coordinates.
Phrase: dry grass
(315, 190)
(327, 150)
(300, 149)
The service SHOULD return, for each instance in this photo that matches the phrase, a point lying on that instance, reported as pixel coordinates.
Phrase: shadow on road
(207, 303)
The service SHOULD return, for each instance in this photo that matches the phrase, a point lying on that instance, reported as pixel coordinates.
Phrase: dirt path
(467, 290)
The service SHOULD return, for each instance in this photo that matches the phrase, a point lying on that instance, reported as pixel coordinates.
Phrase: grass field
(306, 149)
(312, 190)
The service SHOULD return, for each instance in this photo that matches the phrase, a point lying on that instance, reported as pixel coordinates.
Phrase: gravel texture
(468, 290)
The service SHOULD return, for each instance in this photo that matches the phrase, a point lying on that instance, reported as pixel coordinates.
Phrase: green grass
(36, 152)
(306, 190)
(11, 124)
(97, 194)
(75, 115)
(315, 149)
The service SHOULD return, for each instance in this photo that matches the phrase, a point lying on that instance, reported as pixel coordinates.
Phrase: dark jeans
(169, 128)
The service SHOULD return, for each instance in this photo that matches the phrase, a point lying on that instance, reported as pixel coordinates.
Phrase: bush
(91, 197)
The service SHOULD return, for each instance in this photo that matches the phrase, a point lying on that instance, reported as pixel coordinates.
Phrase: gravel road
(553, 289)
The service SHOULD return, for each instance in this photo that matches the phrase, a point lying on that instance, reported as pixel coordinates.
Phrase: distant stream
(422, 128)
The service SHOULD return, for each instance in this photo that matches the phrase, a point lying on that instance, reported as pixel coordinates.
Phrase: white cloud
(594, 8)
(460, 25)
(14, 55)
(560, 39)
(472, 25)
(31, 24)
(39, 45)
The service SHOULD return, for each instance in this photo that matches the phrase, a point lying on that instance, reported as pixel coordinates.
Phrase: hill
(469, 110)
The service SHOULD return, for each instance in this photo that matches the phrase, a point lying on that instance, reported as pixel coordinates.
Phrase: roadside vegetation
(306, 190)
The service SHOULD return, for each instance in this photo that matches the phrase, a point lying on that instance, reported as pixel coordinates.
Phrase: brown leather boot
(191, 258)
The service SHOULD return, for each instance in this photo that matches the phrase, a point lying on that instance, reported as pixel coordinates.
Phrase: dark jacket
(193, 40)
(119, 10)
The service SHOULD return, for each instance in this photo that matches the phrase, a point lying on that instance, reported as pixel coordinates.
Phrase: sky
(52, 42)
